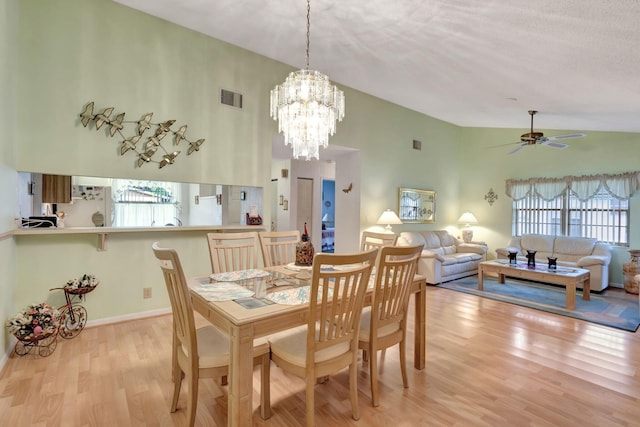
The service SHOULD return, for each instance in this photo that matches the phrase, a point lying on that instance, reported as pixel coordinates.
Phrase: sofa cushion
(575, 246)
(446, 239)
(448, 250)
(536, 242)
(410, 238)
(432, 240)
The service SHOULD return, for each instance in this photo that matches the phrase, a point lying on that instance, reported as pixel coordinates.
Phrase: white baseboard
(92, 323)
(128, 317)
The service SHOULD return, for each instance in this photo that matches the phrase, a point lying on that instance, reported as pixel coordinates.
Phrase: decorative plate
(232, 276)
(224, 291)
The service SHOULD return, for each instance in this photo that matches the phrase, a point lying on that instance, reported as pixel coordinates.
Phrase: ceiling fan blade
(518, 148)
(549, 143)
(567, 136)
(504, 145)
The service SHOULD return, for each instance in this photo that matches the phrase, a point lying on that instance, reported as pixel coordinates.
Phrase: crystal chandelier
(307, 106)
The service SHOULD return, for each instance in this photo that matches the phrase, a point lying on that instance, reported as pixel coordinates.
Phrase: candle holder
(513, 258)
(531, 259)
(552, 263)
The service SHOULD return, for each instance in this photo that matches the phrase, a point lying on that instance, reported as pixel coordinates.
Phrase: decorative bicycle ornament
(35, 327)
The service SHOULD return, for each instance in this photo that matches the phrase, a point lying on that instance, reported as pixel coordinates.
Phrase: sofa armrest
(589, 260)
(505, 251)
(471, 247)
(426, 253)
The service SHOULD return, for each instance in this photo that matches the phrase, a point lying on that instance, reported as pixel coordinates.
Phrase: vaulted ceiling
(467, 62)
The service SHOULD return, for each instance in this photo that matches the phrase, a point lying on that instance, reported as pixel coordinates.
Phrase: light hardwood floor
(488, 364)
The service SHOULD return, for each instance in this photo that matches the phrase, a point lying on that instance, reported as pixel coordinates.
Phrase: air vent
(417, 145)
(230, 98)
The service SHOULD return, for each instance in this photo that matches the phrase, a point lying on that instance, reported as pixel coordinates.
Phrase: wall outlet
(146, 293)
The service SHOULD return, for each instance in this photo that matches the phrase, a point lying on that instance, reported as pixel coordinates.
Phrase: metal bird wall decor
(348, 189)
(152, 147)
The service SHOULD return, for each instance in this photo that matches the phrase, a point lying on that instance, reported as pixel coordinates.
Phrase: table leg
(240, 402)
(500, 278)
(480, 277)
(420, 330)
(586, 289)
(571, 295)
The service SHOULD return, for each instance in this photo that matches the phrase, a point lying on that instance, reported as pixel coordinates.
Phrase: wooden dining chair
(371, 240)
(329, 341)
(233, 251)
(203, 352)
(278, 247)
(384, 324)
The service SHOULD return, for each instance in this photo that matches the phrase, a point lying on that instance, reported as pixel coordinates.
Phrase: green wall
(8, 176)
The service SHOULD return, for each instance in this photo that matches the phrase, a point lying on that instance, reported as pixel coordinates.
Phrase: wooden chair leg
(353, 388)
(265, 387)
(310, 398)
(373, 375)
(177, 383)
(192, 399)
(365, 356)
(403, 364)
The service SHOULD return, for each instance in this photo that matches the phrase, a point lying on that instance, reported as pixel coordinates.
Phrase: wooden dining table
(243, 325)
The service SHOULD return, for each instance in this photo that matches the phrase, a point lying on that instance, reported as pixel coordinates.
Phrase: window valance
(620, 186)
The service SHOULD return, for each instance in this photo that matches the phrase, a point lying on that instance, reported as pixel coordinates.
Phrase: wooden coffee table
(565, 276)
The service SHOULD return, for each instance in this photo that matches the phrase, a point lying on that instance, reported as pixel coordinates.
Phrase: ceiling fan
(535, 138)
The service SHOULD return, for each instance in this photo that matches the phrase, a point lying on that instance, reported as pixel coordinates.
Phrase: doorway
(328, 215)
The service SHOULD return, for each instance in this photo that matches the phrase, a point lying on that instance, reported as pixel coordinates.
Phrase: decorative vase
(531, 259)
(513, 258)
(304, 250)
(630, 269)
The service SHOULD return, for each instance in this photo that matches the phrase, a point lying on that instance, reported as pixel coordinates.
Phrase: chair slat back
(183, 320)
(395, 271)
(338, 285)
(278, 247)
(371, 240)
(233, 251)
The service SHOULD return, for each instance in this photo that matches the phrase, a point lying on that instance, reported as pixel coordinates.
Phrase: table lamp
(388, 217)
(467, 219)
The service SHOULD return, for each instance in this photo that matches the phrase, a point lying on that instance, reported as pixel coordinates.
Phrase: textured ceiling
(469, 62)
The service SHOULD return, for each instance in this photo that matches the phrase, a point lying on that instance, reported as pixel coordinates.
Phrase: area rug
(603, 309)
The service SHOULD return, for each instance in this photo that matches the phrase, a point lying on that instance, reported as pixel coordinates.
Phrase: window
(602, 217)
(145, 203)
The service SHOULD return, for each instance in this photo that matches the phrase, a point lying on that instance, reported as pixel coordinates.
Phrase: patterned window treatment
(621, 186)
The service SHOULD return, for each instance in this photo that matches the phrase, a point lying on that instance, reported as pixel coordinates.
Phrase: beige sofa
(444, 257)
(578, 252)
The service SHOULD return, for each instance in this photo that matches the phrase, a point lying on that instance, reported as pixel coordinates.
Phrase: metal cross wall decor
(491, 197)
(147, 152)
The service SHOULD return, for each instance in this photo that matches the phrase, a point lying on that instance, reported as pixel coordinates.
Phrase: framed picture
(416, 205)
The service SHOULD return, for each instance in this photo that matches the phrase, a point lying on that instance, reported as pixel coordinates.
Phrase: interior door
(305, 204)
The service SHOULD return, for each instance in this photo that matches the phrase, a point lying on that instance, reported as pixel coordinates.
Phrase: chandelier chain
(308, 29)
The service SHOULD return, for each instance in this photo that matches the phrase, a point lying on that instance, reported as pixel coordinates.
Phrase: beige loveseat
(444, 257)
(578, 252)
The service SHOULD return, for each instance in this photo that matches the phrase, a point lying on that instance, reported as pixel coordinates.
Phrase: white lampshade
(389, 217)
(467, 219)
